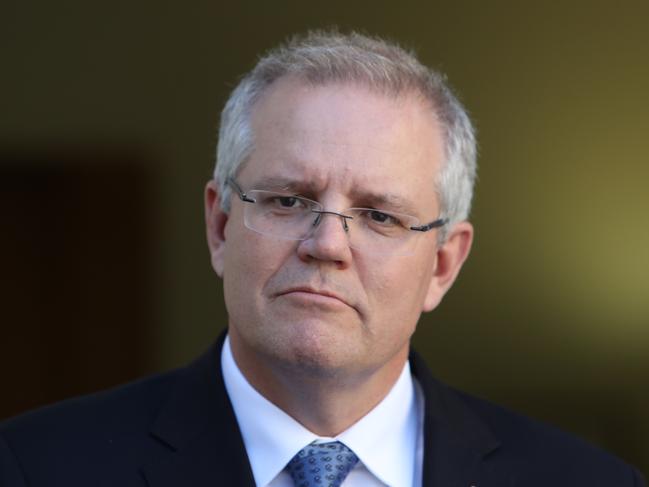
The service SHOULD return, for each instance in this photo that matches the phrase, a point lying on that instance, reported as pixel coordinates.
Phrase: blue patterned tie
(321, 465)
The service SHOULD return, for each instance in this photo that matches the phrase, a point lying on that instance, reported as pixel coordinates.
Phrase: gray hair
(329, 57)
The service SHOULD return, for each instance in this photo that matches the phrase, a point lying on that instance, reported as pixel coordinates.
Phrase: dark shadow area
(74, 289)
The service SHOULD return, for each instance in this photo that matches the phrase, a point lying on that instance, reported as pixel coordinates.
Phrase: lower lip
(314, 299)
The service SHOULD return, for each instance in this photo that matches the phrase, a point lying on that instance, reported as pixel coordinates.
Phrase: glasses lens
(292, 217)
(381, 232)
(280, 215)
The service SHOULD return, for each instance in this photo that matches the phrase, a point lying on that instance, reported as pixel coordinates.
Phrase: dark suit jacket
(178, 429)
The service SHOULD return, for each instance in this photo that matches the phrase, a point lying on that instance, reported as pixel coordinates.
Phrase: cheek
(400, 285)
(250, 261)
(246, 271)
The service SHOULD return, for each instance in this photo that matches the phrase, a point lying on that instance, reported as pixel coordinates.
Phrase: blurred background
(108, 120)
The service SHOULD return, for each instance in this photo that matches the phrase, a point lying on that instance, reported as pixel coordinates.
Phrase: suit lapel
(455, 439)
(200, 442)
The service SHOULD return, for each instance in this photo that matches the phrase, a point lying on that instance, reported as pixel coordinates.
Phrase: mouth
(315, 295)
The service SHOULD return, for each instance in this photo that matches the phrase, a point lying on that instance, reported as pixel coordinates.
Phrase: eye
(280, 203)
(382, 218)
(288, 201)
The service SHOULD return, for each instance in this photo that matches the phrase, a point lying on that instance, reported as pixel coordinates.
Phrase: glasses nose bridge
(320, 213)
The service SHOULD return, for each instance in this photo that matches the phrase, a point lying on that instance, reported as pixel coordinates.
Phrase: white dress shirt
(388, 440)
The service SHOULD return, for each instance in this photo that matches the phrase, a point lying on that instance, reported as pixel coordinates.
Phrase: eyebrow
(387, 201)
(281, 183)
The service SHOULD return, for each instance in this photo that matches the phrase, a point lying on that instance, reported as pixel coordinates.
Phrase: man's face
(318, 304)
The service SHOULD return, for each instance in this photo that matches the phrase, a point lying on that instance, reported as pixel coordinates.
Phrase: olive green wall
(551, 313)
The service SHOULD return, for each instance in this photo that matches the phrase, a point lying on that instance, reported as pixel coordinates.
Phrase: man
(337, 215)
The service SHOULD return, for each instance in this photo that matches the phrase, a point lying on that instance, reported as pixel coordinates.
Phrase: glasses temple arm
(240, 192)
(429, 226)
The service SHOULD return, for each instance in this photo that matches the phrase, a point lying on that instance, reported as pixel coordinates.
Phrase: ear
(450, 257)
(215, 220)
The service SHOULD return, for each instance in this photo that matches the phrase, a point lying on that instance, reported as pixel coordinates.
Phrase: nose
(343, 218)
(328, 241)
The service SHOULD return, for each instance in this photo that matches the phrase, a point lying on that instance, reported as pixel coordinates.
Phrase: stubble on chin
(311, 350)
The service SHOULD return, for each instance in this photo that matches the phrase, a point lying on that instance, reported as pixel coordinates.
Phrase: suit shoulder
(108, 437)
(533, 446)
(121, 408)
(103, 435)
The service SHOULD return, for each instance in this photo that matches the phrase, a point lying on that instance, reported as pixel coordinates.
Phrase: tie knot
(322, 465)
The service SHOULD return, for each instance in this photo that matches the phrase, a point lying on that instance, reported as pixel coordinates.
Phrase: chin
(317, 354)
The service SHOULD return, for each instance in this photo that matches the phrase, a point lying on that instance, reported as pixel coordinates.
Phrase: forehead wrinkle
(327, 139)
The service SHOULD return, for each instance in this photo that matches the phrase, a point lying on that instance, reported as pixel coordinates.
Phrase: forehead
(345, 136)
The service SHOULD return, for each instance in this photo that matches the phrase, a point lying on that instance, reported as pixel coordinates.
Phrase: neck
(326, 402)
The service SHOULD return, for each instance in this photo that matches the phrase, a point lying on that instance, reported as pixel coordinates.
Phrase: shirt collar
(384, 440)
